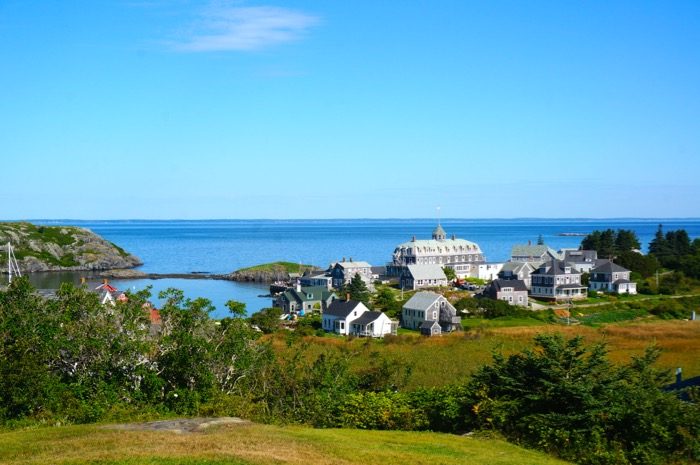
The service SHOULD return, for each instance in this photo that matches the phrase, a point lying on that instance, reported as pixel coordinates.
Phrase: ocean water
(222, 246)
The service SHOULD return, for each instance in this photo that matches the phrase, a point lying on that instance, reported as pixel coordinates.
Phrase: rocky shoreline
(60, 248)
(136, 274)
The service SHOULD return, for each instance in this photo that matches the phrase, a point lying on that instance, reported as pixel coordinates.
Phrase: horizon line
(528, 218)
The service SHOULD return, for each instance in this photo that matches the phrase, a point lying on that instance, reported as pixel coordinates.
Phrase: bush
(669, 309)
(379, 410)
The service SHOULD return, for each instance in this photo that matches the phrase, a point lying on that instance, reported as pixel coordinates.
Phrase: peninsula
(60, 248)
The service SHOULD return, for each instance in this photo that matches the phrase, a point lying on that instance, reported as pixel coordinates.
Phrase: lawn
(256, 444)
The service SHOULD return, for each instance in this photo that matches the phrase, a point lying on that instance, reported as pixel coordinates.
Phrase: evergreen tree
(606, 248)
(358, 289)
(626, 240)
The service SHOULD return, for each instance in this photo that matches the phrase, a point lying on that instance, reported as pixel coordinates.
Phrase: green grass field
(256, 444)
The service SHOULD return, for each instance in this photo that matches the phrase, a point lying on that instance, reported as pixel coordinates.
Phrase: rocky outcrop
(60, 248)
(260, 276)
(270, 272)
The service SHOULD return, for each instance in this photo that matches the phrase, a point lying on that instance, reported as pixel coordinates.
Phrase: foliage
(449, 273)
(489, 308)
(267, 320)
(386, 301)
(646, 265)
(379, 411)
(675, 251)
(71, 359)
(567, 399)
(609, 243)
(357, 289)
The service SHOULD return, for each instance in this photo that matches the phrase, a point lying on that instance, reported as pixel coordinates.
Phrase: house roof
(308, 294)
(555, 267)
(428, 324)
(609, 267)
(517, 267)
(367, 318)
(422, 300)
(351, 265)
(426, 271)
(342, 308)
(580, 256)
(449, 246)
(535, 251)
(622, 281)
(516, 284)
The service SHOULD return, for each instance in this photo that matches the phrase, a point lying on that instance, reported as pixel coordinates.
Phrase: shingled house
(557, 280)
(429, 306)
(611, 277)
(304, 299)
(512, 291)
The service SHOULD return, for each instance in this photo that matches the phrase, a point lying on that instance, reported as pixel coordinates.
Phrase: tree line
(71, 359)
(671, 254)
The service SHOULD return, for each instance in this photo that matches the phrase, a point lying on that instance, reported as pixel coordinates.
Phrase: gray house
(557, 280)
(583, 260)
(342, 273)
(517, 270)
(512, 291)
(306, 299)
(429, 306)
(419, 276)
(611, 277)
(430, 328)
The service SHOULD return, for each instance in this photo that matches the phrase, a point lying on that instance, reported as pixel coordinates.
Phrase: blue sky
(325, 109)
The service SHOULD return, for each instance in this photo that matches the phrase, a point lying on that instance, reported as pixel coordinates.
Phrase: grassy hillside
(256, 444)
(438, 361)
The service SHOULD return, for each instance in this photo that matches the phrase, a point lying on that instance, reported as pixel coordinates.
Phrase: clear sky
(344, 109)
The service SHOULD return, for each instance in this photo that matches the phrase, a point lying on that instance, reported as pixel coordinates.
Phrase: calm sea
(222, 246)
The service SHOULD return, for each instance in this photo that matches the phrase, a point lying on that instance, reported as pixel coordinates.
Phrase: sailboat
(12, 265)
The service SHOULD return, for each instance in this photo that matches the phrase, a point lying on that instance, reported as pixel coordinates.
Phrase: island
(271, 272)
(60, 248)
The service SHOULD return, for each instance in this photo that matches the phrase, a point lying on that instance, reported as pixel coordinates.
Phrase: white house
(489, 271)
(372, 324)
(340, 314)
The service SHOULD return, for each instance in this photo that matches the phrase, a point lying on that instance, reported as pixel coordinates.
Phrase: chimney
(347, 297)
(529, 242)
(454, 237)
(679, 376)
(343, 259)
(298, 285)
(350, 259)
(414, 239)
